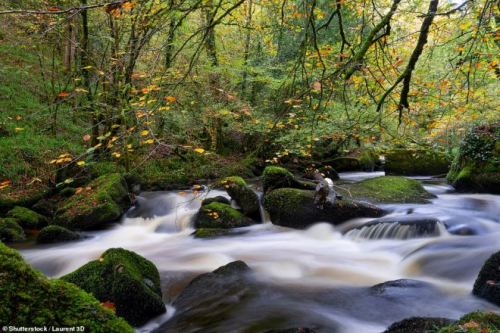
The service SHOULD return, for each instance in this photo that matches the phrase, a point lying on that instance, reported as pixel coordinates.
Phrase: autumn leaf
(86, 137)
(171, 99)
(150, 141)
(116, 155)
(199, 150)
(109, 305)
(63, 94)
(18, 129)
(54, 9)
(145, 132)
(101, 259)
(316, 85)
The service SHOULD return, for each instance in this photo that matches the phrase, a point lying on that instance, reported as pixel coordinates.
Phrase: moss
(210, 232)
(418, 324)
(487, 284)
(30, 299)
(54, 233)
(295, 208)
(10, 231)
(126, 279)
(27, 218)
(219, 199)
(416, 162)
(388, 189)
(68, 192)
(98, 169)
(476, 322)
(246, 198)
(218, 215)
(103, 201)
(25, 197)
(276, 177)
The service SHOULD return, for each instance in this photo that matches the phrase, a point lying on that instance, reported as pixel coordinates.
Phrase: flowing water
(319, 277)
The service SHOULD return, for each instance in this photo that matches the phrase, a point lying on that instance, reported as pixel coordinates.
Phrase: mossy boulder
(126, 279)
(103, 201)
(476, 168)
(10, 231)
(295, 208)
(68, 192)
(55, 233)
(479, 321)
(418, 325)
(29, 299)
(25, 197)
(275, 177)
(357, 160)
(487, 284)
(387, 189)
(246, 198)
(219, 199)
(210, 232)
(45, 207)
(416, 162)
(27, 218)
(218, 215)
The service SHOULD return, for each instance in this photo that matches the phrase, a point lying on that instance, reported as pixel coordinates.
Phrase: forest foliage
(133, 79)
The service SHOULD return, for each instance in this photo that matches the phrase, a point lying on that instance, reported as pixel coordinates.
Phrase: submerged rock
(55, 233)
(218, 215)
(416, 162)
(476, 168)
(401, 227)
(487, 284)
(295, 209)
(418, 325)
(126, 279)
(243, 195)
(387, 189)
(10, 231)
(27, 218)
(29, 299)
(103, 201)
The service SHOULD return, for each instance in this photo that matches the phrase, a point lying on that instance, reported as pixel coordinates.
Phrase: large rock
(25, 197)
(487, 284)
(387, 189)
(55, 233)
(243, 195)
(126, 279)
(10, 231)
(416, 162)
(476, 168)
(276, 177)
(27, 218)
(357, 160)
(102, 201)
(295, 208)
(29, 299)
(219, 215)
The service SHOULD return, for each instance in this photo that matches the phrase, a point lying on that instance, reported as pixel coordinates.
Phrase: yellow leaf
(199, 150)
(116, 155)
(80, 162)
(171, 98)
(88, 67)
(19, 129)
(150, 141)
(144, 133)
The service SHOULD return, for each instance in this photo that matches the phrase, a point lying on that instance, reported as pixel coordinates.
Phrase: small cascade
(397, 230)
(264, 215)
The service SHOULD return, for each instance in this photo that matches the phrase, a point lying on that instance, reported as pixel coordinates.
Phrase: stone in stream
(399, 227)
(219, 199)
(276, 177)
(126, 279)
(487, 284)
(29, 299)
(10, 231)
(55, 233)
(103, 200)
(295, 208)
(218, 215)
(476, 168)
(416, 162)
(246, 198)
(27, 219)
(418, 325)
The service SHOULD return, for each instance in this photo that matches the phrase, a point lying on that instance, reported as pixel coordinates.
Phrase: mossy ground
(387, 189)
(219, 215)
(475, 322)
(30, 299)
(27, 218)
(126, 279)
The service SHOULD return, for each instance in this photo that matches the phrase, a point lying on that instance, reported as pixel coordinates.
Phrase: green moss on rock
(10, 231)
(218, 215)
(246, 198)
(295, 208)
(275, 177)
(210, 232)
(25, 197)
(487, 284)
(103, 202)
(126, 279)
(55, 233)
(29, 299)
(416, 162)
(418, 324)
(387, 189)
(27, 218)
(476, 168)
(480, 321)
(219, 199)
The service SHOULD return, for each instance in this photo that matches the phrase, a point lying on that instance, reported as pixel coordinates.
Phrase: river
(319, 277)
